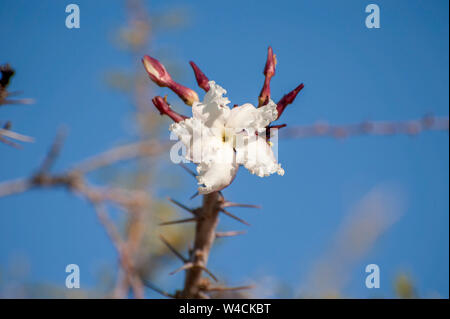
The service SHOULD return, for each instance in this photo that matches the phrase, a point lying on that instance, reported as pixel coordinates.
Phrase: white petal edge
(213, 110)
(257, 156)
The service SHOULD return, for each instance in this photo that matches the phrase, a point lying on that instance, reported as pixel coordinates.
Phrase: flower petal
(257, 156)
(213, 111)
(219, 171)
(251, 118)
(198, 139)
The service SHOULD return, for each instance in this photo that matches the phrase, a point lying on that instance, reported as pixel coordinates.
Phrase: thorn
(270, 127)
(221, 197)
(173, 250)
(54, 151)
(195, 195)
(179, 221)
(234, 217)
(207, 271)
(231, 204)
(230, 233)
(187, 169)
(190, 210)
(184, 267)
(150, 285)
(277, 126)
(189, 265)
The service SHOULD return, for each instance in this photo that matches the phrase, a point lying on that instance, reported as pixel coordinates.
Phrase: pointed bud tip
(269, 69)
(156, 71)
(300, 87)
(164, 109)
(202, 79)
(161, 105)
(293, 94)
(288, 99)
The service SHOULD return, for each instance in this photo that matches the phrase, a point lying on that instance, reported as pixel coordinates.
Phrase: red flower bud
(201, 78)
(161, 77)
(156, 71)
(269, 69)
(288, 99)
(164, 108)
(269, 72)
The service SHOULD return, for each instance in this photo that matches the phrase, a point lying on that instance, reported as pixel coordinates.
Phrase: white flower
(219, 139)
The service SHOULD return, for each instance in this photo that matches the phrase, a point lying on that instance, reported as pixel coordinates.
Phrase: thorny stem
(205, 233)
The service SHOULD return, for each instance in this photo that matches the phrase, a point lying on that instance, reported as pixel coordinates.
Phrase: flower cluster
(218, 138)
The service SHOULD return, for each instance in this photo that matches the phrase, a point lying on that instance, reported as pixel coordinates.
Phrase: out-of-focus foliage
(373, 215)
(135, 38)
(404, 287)
(140, 230)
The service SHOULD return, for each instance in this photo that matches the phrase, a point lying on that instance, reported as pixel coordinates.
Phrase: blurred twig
(123, 250)
(411, 127)
(121, 153)
(74, 180)
(366, 222)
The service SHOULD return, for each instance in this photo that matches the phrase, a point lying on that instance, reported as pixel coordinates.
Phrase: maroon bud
(288, 99)
(156, 71)
(186, 94)
(201, 78)
(164, 108)
(161, 77)
(269, 72)
(269, 69)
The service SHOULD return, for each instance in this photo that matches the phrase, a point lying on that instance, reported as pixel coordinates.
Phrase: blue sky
(351, 74)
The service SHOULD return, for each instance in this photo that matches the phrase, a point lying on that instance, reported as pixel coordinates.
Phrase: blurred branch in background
(370, 218)
(128, 187)
(74, 180)
(385, 128)
(136, 38)
(7, 136)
